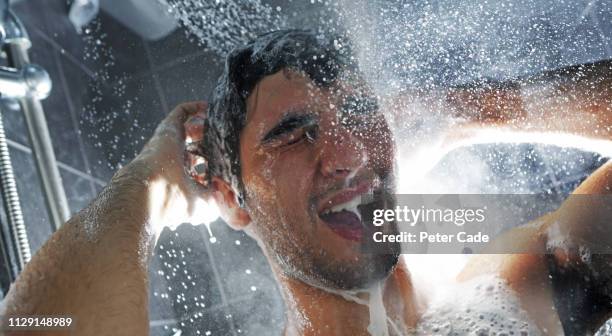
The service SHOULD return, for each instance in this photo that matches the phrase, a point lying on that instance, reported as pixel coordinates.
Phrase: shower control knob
(31, 81)
(37, 80)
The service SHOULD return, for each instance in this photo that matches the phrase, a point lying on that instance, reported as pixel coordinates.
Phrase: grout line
(74, 119)
(62, 165)
(64, 52)
(213, 264)
(165, 66)
(128, 78)
(75, 171)
(158, 323)
(156, 82)
(183, 59)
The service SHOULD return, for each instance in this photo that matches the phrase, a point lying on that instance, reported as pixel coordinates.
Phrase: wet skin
(303, 150)
(283, 180)
(291, 176)
(95, 267)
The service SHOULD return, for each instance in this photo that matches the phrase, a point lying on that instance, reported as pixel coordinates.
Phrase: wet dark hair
(321, 58)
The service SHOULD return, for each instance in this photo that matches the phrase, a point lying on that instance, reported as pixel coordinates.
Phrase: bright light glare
(170, 208)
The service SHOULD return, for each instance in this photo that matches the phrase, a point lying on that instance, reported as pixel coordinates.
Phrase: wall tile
(78, 190)
(127, 49)
(254, 317)
(14, 122)
(56, 107)
(242, 266)
(5, 270)
(215, 322)
(176, 45)
(90, 48)
(182, 274)
(81, 92)
(98, 188)
(190, 80)
(160, 299)
(114, 121)
(58, 28)
(31, 14)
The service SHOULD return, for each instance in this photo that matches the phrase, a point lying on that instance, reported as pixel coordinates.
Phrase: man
(293, 137)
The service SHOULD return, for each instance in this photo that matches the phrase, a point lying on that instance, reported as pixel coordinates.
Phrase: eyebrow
(289, 122)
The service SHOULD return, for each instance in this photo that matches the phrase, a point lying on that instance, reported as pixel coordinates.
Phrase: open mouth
(345, 219)
(343, 213)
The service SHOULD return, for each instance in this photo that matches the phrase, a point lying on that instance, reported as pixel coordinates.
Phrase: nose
(341, 154)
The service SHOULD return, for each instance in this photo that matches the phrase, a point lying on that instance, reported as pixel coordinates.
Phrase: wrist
(160, 189)
(122, 206)
(138, 172)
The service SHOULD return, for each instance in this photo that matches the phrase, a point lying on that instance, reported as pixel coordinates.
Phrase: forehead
(277, 93)
(288, 90)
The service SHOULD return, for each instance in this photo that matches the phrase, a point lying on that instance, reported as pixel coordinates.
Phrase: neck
(316, 311)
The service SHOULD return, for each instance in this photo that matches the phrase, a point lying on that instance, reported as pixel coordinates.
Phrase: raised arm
(566, 107)
(575, 100)
(564, 278)
(572, 105)
(94, 268)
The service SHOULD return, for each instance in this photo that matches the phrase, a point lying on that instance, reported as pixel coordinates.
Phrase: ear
(231, 212)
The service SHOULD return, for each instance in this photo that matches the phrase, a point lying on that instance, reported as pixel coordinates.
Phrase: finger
(196, 173)
(193, 107)
(196, 167)
(182, 112)
(173, 124)
(194, 128)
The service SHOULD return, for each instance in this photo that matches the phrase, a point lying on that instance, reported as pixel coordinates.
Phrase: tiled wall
(99, 116)
(100, 112)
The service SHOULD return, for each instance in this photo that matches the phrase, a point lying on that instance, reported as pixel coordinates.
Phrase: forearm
(575, 100)
(567, 108)
(94, 268)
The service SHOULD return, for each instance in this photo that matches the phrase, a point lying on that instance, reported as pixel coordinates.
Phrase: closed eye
(308, 133)
(292, 128)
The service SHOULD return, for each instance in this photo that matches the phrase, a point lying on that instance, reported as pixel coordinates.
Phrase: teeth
(348, 206)
(375, 185)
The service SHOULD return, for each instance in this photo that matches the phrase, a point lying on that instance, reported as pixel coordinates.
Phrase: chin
(361, 275)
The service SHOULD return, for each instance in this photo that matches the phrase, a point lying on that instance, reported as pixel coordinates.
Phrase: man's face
(307, 155)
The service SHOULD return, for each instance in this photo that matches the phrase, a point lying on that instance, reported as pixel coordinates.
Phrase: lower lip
(347, 226)
(353, 234)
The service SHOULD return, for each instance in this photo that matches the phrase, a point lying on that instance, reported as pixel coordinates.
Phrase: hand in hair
(94, 268)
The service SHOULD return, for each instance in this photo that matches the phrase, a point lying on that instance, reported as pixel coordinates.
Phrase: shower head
(152, 20)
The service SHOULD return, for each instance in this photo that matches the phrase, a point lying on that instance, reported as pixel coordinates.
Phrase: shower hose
(11, 201)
